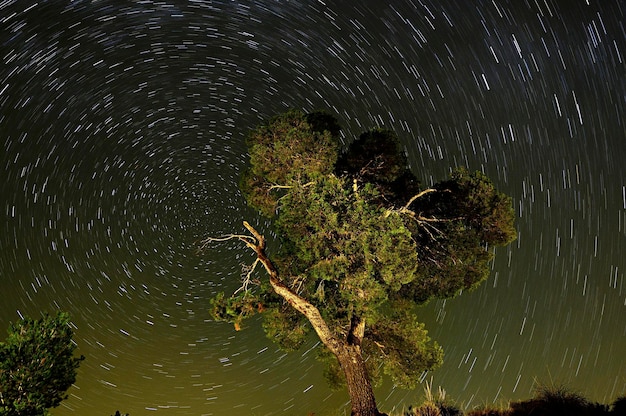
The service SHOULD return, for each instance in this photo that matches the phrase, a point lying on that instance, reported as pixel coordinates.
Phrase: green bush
(37, 365)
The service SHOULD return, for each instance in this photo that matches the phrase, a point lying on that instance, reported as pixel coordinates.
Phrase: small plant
(435, 404)
(447, 409)
(428, 409)
(430, 397)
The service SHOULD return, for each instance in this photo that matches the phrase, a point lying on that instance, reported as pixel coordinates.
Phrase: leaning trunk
(358, 382)
(348, 352)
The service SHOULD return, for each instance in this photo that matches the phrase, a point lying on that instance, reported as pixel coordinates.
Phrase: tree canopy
(37, 365)
(361, 242)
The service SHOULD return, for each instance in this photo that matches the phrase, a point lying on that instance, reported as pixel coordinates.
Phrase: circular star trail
(124, 132)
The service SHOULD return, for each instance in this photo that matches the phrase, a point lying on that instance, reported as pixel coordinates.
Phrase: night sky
(124, 128)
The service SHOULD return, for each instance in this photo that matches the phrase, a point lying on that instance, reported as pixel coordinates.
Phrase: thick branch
(257, 246)
(300, 304)
(208, 240)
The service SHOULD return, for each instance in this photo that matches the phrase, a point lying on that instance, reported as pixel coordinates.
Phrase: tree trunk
(358, 382)
(348, 352)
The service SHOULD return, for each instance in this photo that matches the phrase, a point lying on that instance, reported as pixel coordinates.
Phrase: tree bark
(348, 351)
(359, 386)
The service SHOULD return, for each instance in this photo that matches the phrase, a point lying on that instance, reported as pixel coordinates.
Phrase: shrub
(435, 404)
(619, 406)
(37, 365)
(557, 401)
(485, 411)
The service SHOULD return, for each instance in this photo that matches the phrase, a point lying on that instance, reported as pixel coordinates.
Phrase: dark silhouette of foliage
(37, 365)
(557, 401)
(618, 408)
(361, 245)
(488, 412)
(374, 158)
(554, 401)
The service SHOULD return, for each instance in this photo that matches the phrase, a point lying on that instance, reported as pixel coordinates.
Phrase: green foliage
(331, 233)
(551, 401)
(285, 326)
(462, 218)
(374, 157)
(37, 365)
(486, 411)
(234, 309)
(321, 121)
(483, 207)
(291, 148)
(333, 374)
(356, 240)
(437, 402)
(399, 344)
(427, 409)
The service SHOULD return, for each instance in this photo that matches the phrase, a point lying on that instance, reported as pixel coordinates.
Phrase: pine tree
(37, 365)
(361, 245)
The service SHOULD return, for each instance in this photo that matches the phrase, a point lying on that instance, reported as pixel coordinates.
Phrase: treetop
(359, 236)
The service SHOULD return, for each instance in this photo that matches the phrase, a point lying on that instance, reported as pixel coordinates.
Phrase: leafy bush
(37, 365)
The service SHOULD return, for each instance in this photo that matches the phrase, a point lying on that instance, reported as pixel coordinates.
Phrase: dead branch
(256, 242)
(246, 279)
(405, 209)
(427, 223)
(204, 243)
(276, 186)
(419, 195)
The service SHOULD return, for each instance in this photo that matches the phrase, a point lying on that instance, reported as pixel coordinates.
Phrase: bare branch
(419, 195)
(204, 243)
(247, 278)
(425, 227)
(276, 186)
(300, 304)
(405, 209)
(372, 166)
(433, 219)
(425, 222)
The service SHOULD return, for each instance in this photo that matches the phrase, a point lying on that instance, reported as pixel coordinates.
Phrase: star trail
(123, 127)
